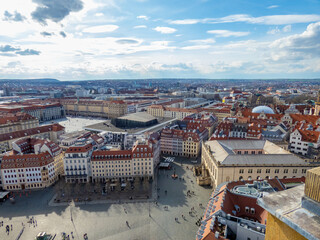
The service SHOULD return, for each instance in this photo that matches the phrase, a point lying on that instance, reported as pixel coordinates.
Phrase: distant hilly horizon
(137, 79)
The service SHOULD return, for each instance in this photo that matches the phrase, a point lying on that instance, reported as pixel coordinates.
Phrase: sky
(110, 39)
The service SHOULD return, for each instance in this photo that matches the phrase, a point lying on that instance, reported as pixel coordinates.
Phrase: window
(285, 171)
(247, 209)
(276, 171)
(241, 171)
(304, 170)
(249, 170)
(258, 170)
(253, 211)
(267, 170)
(295, 171)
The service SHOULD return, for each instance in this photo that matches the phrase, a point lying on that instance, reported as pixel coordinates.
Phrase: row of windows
(275, 171)
(247, 152)
(23, 180)
(18, 187)
(75, 161)
(20, 170)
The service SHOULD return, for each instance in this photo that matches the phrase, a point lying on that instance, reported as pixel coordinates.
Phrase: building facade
(51, 132)
(302, 140)
(123, 164)
(77, 163)
(294, 213)
(233, 160)
(33, 163)
(12, 122)
(43, 112)
(95, 108)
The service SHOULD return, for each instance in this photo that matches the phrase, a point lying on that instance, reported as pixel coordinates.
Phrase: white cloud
(203, 41)
(185, 21)
(227, 33)
(286, 28)
(101, 29)
(273, 6)
(270, 20)
(99, 14)
(196, 47)
(140, 26)
(165, 30)
(274, 31)
(298, 46)
(277, 30)
(143, 17)
(265, 20)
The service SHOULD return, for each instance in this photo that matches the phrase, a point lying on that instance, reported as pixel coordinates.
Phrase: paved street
(108, 221)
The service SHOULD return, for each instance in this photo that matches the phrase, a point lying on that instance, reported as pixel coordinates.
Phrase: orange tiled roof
(309, 136)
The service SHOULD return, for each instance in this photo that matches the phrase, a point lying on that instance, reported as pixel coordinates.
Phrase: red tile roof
(79, 149)
(15, 117)
(225, 199)
(31, 131)
(111, 155)
(26, 160)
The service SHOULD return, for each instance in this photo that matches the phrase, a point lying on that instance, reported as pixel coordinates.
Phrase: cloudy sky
(101, 39)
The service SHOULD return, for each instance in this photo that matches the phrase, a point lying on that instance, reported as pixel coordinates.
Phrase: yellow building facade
(277, 230)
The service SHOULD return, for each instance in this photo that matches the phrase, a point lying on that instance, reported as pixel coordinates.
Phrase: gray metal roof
(139, 117)
(243, 144)
(263, 159)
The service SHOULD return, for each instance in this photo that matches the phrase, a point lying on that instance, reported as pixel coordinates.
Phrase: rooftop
(287, 206)
(266, 153)
(138, 116)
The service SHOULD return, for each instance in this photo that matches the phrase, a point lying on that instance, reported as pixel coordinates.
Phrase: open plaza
(73, 124)
(168, 217)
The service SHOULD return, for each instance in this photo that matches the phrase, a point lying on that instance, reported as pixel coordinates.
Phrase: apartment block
(33, 163)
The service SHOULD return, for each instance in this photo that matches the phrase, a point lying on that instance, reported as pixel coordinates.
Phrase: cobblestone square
(107, 221)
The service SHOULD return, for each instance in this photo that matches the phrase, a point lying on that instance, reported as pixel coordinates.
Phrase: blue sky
(95, 39)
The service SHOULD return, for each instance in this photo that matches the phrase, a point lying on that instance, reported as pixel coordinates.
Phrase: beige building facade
(17, 122)
(95, 108)
(233, 160)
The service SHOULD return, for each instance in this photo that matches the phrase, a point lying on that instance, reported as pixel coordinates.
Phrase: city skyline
(75, 40)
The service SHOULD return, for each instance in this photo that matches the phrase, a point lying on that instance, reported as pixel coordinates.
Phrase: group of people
(33, 222)
(192, 211)
(7, 228)
(189, 193)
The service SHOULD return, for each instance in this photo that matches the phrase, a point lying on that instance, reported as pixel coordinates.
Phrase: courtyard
(141, 220)
(73, 124)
